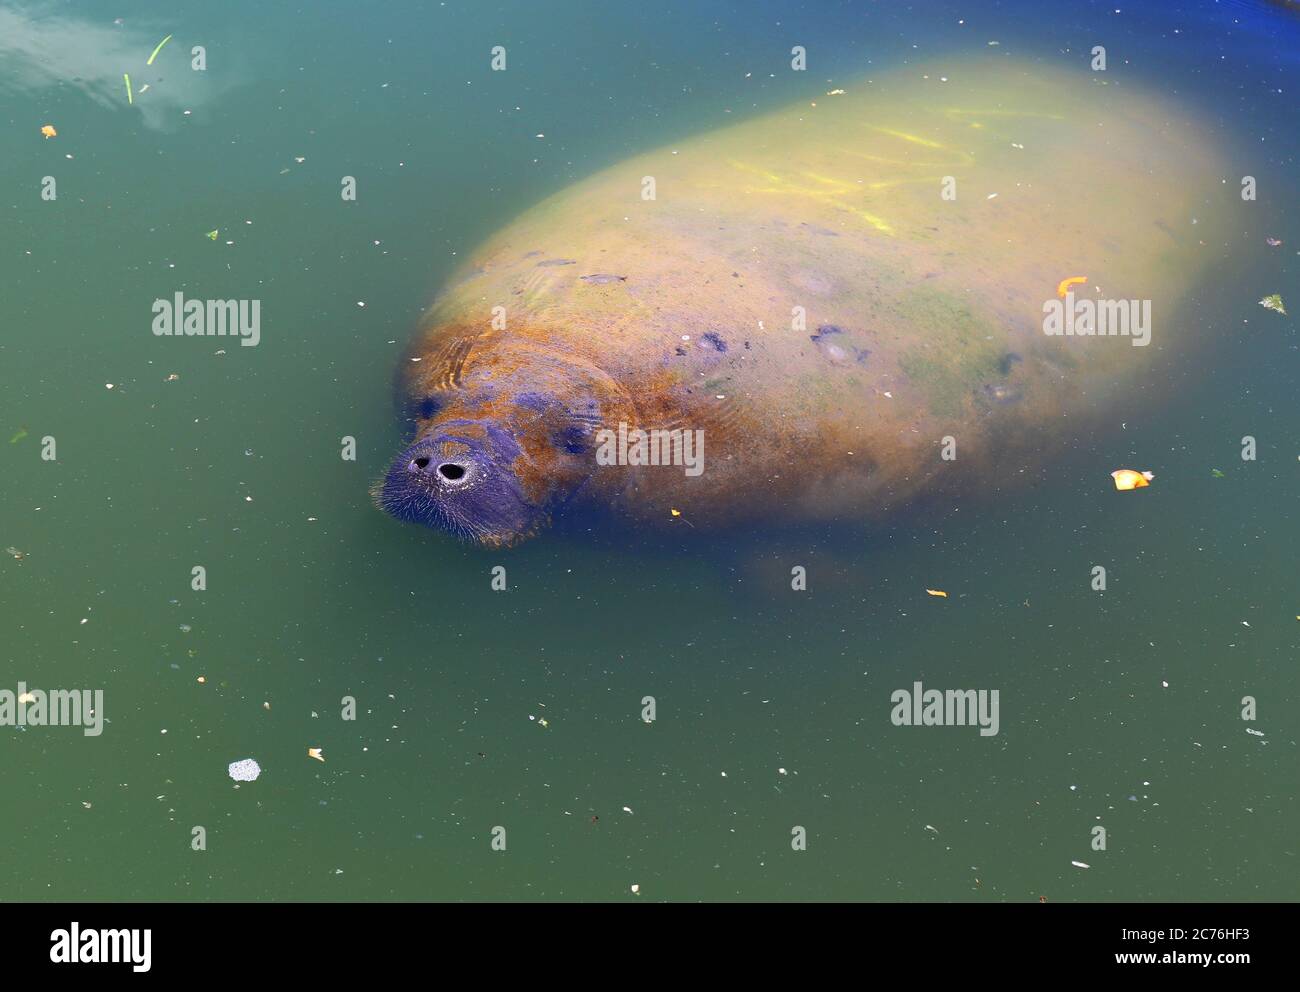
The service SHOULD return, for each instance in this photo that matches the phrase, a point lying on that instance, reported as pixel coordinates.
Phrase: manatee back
(800, 288)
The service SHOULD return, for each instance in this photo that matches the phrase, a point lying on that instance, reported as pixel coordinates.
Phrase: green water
(313, 595)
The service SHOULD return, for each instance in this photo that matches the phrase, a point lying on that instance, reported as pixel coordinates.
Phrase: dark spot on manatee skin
(821, 230)
(1006, 361)
(601, 278)
(713, 340)
(572, 439)
(825, 330)
(556, 261)
(533, 401)
(680, 350)
(533, 254)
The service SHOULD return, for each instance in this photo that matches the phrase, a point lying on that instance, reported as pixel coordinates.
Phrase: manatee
(798, 291)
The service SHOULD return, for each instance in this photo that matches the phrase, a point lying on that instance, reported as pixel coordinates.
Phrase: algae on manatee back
(956, 353)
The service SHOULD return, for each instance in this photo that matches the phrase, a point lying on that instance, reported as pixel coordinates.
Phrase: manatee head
(464, 476)
(490, 462)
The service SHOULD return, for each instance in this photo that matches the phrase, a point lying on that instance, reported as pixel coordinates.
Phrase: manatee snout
(459, 478)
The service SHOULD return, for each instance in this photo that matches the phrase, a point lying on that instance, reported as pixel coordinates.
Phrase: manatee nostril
(420, 463)
(452, 471)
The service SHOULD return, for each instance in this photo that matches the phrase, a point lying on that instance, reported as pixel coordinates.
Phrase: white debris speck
(636, 890)
(1164, 684)
(932, 829)
(781, 771)
(990, 196)
(627, 809)
(1256, 733)
(1080, 864)
(108, 385)
(361, 303)
(246, 770)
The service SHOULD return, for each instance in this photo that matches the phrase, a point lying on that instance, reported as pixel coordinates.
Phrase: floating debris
(48, 131)
(1273, 242)
(212, 235)
(127, 79)
(18, 435)
(1217, 474)
(1254, 733)
(1273, 302)
(158, 49)
(937, 592)
(246, 770)
(1080, 864)
(1064, 285)
(636, 890)
(1126, 479)
(15, 554)
(315, 752)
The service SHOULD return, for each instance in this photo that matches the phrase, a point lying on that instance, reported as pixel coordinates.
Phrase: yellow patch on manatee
(913, 138)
